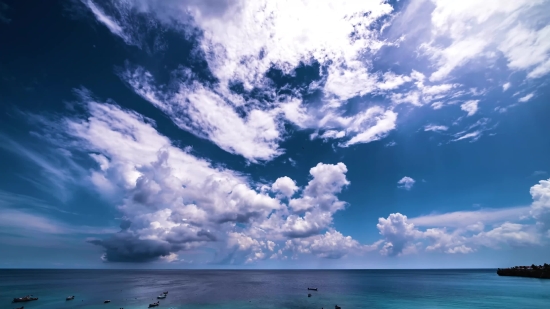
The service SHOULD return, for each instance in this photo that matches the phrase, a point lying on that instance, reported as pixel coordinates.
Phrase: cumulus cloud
(397, 234)
(172, 201)
(506, 86)
(540, 209)
(466, 231)
(331, 245)
(406, 183)
(285, 185)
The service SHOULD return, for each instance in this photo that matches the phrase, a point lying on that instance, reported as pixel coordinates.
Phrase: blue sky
(262, 134)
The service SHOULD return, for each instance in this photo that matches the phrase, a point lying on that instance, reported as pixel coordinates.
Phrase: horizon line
(248, 269)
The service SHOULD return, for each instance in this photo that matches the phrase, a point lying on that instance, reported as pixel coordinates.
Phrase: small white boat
(70, 298)
(161, 296)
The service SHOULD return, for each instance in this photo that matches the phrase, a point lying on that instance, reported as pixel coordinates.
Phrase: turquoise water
(194, 289)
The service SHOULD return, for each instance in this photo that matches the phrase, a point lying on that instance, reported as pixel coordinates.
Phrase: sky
(274, 134)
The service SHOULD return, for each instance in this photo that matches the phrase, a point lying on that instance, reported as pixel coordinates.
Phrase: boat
(154, 305)
(165, 293)
(312, 289)
(24, 299)
(107, 301)
(308, 295)
(70, 298)
(337, 307)
(161, 296)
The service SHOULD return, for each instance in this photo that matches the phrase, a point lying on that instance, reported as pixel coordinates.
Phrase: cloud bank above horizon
(248, 77)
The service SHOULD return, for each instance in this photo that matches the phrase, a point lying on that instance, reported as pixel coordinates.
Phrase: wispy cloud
(465, 218)
(539, 173)
(470, 107)
(30, 223)
(9, 199)
(477, 30)
(57, 169)
(526, 97)
(435, 128)
(473, 136)
(106, 20)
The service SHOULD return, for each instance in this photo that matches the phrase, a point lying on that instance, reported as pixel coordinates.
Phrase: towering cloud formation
(173, 201)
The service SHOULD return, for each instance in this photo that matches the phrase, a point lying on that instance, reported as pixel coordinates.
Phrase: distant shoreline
(533, 271)
(258, 269)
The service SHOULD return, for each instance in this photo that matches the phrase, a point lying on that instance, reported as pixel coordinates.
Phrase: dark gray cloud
(127, 247)
(125, 224)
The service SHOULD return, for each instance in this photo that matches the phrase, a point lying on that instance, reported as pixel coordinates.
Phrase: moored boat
(312, 289)
(161, 296)
(24, 299)
(107, 301)
(70, 297)
(154, 305)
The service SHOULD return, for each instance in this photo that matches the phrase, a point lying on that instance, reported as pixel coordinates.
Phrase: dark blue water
(193, 289)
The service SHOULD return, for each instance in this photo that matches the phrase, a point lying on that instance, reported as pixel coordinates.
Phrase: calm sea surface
(195, 289)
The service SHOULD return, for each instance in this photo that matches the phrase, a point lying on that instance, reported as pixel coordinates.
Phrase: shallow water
(268, 289)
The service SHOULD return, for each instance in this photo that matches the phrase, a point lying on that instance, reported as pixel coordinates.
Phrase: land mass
(533, 271)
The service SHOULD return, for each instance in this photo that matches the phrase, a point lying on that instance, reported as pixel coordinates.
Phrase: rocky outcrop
(533, 271)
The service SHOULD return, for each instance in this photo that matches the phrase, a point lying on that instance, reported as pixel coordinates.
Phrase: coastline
(533, 271)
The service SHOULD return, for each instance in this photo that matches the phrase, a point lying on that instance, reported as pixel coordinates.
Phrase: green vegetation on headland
(533, 271)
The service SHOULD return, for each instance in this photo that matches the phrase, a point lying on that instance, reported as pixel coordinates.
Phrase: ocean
(240, 289)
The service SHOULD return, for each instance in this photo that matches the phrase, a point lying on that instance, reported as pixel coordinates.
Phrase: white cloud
(435, 128)
(406, 183)
(467, 218)
(173, 201)
(470, 107)
(507, 233)
(506, 86)
(476, 30)
(285, 185)
(203, 112)
(112, 25)
(331, 245)
(540, 209)
(372, 125)
(526, 98)
(473, 136)
(397, 234)
(344, 39)
(528, 49)
(341, 37)
(437, 105)
(466, 231)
